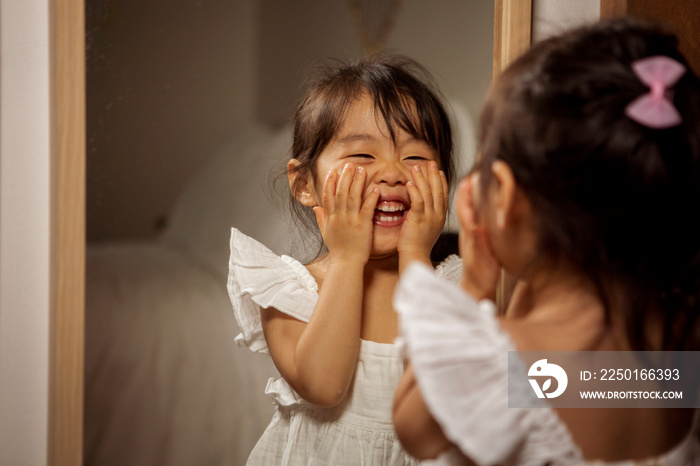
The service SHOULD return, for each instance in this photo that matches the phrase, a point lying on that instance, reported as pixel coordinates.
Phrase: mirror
(187, 107)
(167, 87)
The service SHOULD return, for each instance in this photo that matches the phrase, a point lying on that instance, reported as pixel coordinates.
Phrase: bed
(165, 382)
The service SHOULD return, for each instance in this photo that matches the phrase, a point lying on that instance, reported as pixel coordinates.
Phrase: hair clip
(654, 109)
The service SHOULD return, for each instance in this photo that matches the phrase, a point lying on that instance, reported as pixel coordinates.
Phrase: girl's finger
(370, 203)
(423, 186)
(320, 214)
(465, 204)
(357, 188)
(445, 190)
(329, 187)
(343, 189)
(436, 187)
(414, 195)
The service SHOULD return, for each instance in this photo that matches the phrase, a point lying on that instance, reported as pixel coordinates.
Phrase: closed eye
(362, 156)
(417, 157)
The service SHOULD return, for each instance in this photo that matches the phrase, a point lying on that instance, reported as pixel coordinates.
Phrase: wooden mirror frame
(512, 35)
(67, 305)
(67, 248)
(512, 31)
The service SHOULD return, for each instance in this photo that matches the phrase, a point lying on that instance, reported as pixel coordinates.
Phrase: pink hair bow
(654, 109)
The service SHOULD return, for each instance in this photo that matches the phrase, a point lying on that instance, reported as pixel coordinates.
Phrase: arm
(420, 435)
(318, 358)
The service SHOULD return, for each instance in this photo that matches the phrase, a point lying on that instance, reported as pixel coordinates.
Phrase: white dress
(459, 354)
(359, 430)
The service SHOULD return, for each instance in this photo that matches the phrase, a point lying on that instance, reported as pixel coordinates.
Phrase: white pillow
(232, 189)
(464, 137)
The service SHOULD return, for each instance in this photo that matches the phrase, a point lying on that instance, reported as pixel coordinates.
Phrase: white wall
(452, 38)
(24, 231)
(167, 88)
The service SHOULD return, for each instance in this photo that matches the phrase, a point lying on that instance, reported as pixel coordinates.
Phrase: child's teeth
(387, 208)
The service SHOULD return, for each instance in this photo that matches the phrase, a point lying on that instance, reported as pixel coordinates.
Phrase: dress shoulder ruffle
(460, 357)
(259, 279)
(450, 269)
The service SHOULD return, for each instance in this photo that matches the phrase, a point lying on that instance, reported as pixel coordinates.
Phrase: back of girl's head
(404, 97)
(613, 197)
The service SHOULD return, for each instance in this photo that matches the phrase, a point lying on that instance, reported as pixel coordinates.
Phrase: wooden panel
(613, 8)
(681, 15)
(68, 233)
(511, 31)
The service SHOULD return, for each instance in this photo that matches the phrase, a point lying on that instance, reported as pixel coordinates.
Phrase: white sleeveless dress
(359, 430)
(459, 354)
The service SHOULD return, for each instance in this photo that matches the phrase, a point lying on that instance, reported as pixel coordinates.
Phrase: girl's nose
(392, 174)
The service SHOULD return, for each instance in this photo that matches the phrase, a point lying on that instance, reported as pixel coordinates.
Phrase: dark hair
(404, 96)
(614, 198)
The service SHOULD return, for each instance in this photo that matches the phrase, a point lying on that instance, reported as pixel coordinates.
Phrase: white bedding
(165, 383)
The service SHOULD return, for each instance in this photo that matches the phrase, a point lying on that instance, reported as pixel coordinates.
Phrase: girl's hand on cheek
(481, 270)
(345, 220)
(425, 220)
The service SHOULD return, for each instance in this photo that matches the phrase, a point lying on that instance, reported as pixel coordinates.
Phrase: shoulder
(450, 268)
(460, 355)
(254, 263)
(245, 249)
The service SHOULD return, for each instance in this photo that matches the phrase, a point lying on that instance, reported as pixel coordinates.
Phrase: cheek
(321, 174)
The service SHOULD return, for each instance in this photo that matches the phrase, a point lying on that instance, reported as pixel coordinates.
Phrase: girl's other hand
(425, 219)
(481, 270)
(344, 219)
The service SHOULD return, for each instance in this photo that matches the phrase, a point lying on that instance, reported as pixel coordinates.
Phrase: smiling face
(365, 142)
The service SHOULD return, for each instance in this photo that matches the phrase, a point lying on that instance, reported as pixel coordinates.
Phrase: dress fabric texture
(359, 430)
(459, 354)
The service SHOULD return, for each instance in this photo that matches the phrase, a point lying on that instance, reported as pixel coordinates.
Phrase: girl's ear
(504, 193)
(303, 190)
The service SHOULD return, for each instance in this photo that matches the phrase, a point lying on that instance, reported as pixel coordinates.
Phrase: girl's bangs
(400, 111)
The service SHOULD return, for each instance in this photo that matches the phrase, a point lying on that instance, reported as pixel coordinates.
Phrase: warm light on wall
(374, 20)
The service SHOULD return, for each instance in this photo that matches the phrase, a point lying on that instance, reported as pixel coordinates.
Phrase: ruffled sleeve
(459, 354)
(259, 279)
(450, 269)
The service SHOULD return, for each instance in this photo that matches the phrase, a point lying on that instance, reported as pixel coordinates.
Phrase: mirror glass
(188, 109)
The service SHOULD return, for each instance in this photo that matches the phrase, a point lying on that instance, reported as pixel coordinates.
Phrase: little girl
(587, 191)
(372, 161)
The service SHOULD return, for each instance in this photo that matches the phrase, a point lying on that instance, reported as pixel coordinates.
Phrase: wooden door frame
(512, 30)
(513, 27)
(613, 8)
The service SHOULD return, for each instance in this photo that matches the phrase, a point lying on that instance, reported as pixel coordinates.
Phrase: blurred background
(188, 112)
(168, 83)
